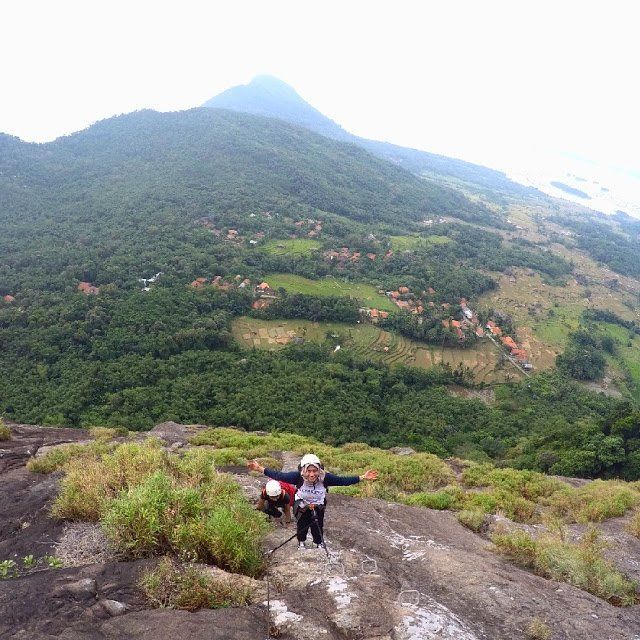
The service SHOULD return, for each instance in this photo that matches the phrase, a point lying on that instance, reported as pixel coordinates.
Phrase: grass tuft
(5, 432)
(538, 630)
(473, 519)
(172, 586)
(580, 564)
(58, 457)
(150, 503)
(633, 526)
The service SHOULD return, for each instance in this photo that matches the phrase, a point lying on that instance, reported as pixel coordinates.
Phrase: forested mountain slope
(105, 191)
(214, 203)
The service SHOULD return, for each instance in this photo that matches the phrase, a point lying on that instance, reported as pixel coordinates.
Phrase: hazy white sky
(481, 80)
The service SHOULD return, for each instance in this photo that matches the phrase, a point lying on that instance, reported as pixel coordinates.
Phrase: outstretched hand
(371, 474)
(254, 465)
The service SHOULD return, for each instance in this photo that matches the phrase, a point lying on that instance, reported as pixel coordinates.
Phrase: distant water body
(594, 185)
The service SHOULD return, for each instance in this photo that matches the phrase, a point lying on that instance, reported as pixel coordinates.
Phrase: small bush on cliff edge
(580, 564)
(151, 502)
(174, 586)
(5, 432)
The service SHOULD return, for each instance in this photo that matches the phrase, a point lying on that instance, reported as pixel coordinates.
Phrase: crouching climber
(275, 496)
(311, 482)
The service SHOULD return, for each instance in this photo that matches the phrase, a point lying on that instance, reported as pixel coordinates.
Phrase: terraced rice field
(368, 341)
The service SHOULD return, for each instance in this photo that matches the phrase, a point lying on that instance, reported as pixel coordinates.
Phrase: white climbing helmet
(308, 459)
(273, 489)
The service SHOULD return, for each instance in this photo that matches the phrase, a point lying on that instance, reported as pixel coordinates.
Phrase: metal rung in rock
(369, 566)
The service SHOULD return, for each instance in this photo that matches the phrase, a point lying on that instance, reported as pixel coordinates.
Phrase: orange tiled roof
(88, 289)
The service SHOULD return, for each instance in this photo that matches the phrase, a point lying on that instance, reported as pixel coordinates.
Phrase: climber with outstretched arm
(311, 482)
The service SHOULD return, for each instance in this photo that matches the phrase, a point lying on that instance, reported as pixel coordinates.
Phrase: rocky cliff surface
(392, 572)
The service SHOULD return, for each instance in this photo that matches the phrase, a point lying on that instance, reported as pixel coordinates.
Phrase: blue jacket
(294, 478)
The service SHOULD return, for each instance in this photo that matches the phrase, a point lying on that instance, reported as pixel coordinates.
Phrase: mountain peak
(269, 96)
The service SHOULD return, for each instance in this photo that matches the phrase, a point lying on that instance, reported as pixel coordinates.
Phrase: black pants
(306, 521)
(271, 510)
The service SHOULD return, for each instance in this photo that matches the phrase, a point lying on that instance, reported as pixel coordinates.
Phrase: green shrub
(232, 532)
(601, 499)
(150, 503)
(139, 521)
(438, 500)
(472, 519)
(90, 483)
(172, 586)
(57, 458)
(538, 630)
(580, 564)
(5, 432)
(595, 501)
(355, 446)
(211, 523)
(633, 526)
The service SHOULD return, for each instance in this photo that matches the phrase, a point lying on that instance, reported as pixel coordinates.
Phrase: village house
(263, 289)
(88, 289)
(455, 325)
(262, 303)
(9, 298)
